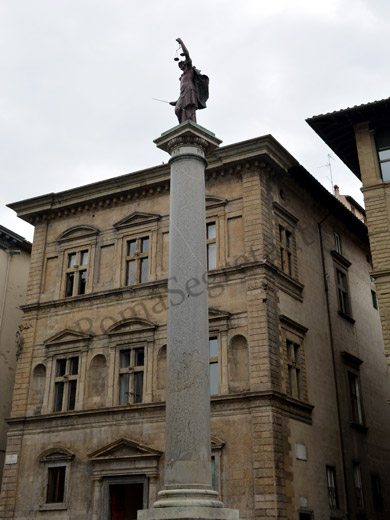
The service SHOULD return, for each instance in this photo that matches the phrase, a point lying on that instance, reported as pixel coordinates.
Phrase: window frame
(211, 241)
(333, 499)
(53, 506)
(77, 269)
(374, 299)
(343, 294)
(214, 360)
(286, 241)
(355, 399)
(352, 368)
(359, 495)
(337, 243)
(138, 257)
(75, 240)
(66, 380)
(342, 286)
(293, 334)
(384, 136)
(135, 226)
(376, 492)
(131, 370)
(126, 334)
(52, 459)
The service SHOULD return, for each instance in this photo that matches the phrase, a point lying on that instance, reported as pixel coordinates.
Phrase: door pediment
(124, 449)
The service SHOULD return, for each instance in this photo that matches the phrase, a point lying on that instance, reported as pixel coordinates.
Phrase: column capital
(187, 134)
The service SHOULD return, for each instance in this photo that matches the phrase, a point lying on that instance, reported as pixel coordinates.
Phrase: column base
(188, 513)
(188, 497)
(188, 504)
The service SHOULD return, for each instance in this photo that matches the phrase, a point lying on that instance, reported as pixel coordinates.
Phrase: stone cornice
(293, 408)
(150, 290)
(262, 152)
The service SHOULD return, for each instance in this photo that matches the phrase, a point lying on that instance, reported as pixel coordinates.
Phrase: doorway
(126, 500)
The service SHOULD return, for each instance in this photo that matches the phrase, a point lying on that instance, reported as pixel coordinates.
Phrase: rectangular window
(337, 243)
(332, 491)
(374, 299)
(342, 292)
(213, 471)
(376, 493)
(383, 149)
(76, 273)
(211, 237)
(65, 384)
(355, 398)
(213, 344)
(286, 256)
(294, 369)
(131, 375)
(55, 485)
(137, 260)
(357, 478)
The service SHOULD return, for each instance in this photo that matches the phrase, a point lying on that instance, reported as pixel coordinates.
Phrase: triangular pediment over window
(214, 202)
(77, 232)
(136, 219)
(131, 325)
(216, 443)
(67, 336)
(216, 314)
(124, 449)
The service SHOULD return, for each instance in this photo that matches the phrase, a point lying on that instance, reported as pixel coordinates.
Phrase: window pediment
(67, 336)
(56, 454)
(123, 449)
(351, 360)
(217, 443)
(215, 314)
(281, 212)
(292, 324)
(137, 218)
(131, 325)
(77, 232)
(214, 202)
(218, 320)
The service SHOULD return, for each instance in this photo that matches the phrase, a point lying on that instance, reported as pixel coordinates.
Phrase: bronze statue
(194, 89)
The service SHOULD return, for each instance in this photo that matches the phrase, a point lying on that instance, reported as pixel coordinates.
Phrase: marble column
(187, 491)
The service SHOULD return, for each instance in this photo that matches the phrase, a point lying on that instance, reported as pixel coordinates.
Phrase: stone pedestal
(187, 492)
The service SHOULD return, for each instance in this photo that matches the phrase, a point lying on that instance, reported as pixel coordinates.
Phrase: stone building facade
(14, 267)
(299, 419)
(361, 138)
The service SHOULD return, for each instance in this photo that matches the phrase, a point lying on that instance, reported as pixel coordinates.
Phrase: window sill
(346, 317)
(360, 427)
(53, 507)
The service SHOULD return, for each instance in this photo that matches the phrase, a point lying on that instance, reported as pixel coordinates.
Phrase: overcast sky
(77, 78)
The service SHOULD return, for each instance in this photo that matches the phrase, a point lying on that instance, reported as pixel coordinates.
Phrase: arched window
(238, 364)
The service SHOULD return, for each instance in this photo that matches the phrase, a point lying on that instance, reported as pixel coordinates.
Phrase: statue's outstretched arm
(185, 50)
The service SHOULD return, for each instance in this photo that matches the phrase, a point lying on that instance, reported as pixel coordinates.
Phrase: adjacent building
(299, 415)
(360, 136)
(14, 267)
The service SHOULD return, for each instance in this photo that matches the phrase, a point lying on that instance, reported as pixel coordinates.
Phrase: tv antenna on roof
(328, 165)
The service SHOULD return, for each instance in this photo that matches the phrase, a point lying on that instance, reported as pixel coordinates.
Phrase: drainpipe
(334, 364)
